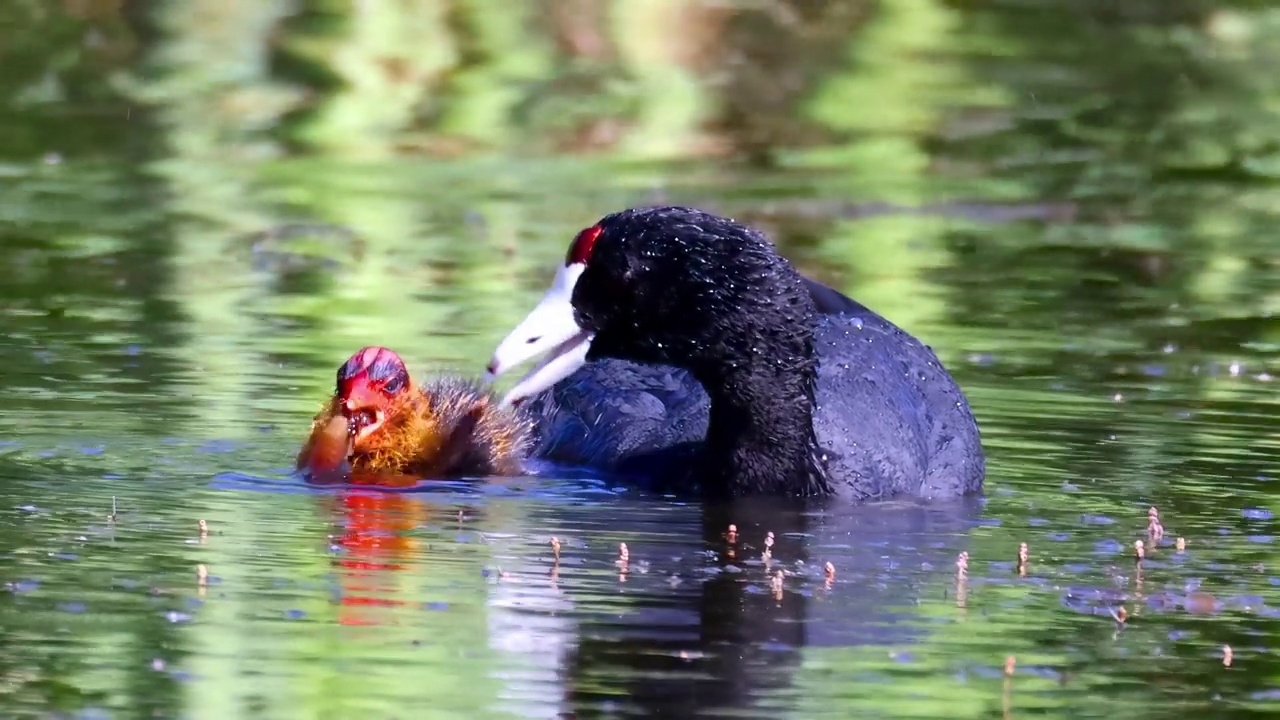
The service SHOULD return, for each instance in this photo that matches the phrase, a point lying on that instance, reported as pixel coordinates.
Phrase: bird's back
(609, 412)
(888, 417)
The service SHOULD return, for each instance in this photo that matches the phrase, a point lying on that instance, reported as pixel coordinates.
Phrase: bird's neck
(760, 436)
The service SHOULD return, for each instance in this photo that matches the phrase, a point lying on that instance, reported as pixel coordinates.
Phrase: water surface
(207, 207)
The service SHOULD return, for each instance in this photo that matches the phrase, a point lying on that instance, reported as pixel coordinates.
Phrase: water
(1072, 202)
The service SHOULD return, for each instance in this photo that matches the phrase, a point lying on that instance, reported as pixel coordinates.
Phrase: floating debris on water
(1155, 531)
(962, 578)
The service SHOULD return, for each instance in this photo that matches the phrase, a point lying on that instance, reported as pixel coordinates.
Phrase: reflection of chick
(379, 421)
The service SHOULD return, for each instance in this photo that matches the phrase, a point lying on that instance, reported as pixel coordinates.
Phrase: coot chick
(804, 391)
(379, 421)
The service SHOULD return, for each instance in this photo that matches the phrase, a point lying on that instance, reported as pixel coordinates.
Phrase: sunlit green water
(1072, 202)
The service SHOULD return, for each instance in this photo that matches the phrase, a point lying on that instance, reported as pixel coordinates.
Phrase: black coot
(684, 350)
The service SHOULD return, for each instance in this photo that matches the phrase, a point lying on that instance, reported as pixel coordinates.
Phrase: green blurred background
(204, 176)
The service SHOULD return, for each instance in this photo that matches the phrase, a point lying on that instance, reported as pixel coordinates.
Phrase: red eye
(580, 250)
(393, 385)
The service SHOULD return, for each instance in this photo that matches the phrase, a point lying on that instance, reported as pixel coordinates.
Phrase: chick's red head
(368, 383)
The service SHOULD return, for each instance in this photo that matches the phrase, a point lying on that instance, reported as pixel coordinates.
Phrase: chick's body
(447, 427)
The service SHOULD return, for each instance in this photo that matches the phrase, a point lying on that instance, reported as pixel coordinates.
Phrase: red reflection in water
(377, 544)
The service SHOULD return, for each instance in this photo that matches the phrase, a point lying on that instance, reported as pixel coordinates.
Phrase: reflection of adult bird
(671, 632)
(682, 348)
(718, 640)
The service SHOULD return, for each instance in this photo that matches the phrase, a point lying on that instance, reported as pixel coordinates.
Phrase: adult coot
(684, 349)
